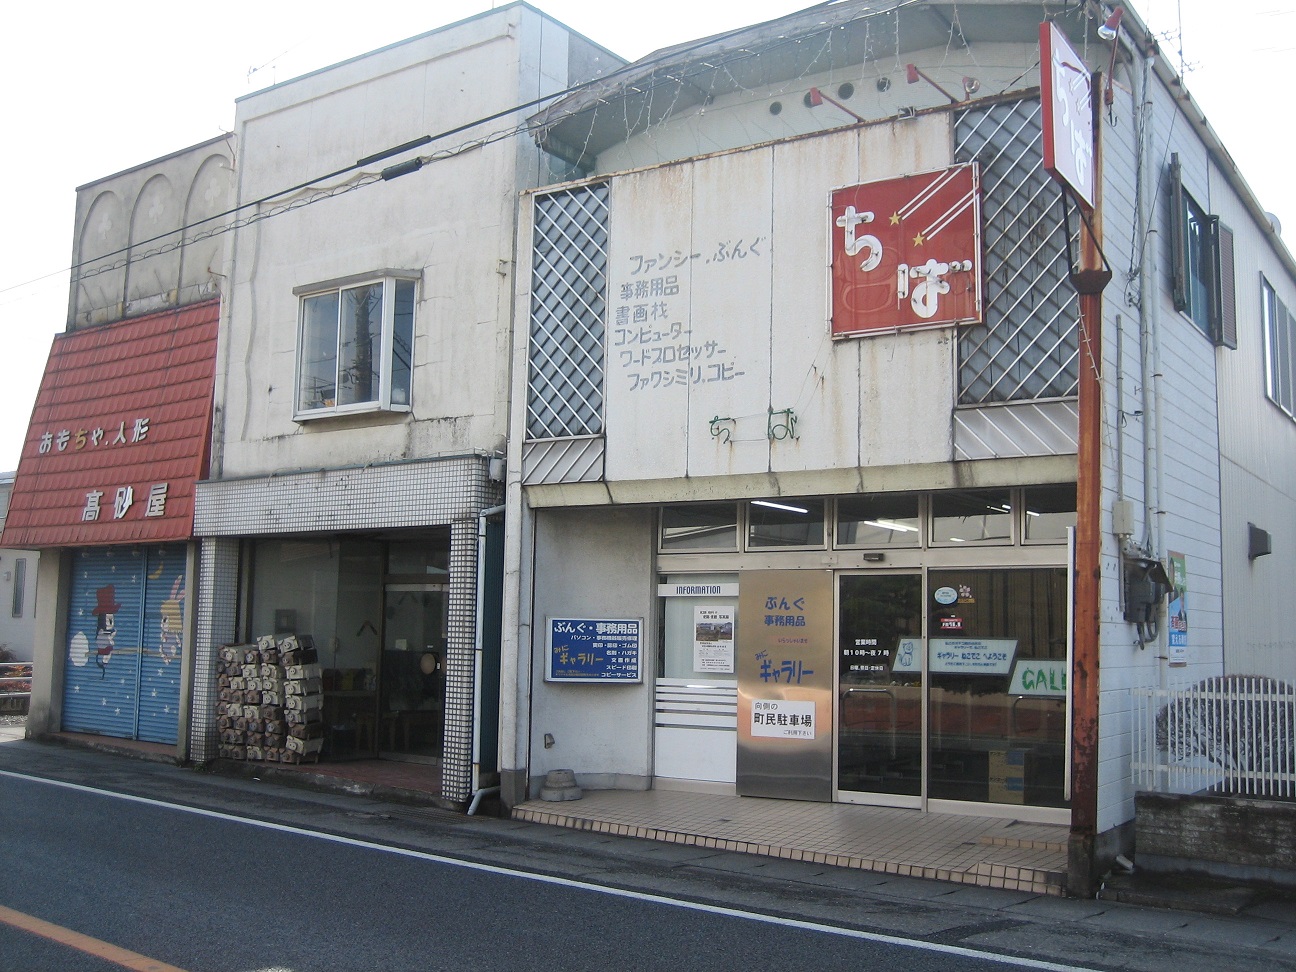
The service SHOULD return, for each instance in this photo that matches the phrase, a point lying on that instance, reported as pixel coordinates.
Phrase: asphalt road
(207, 873)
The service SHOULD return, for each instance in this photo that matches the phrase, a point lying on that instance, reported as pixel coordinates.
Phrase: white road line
(973, 953)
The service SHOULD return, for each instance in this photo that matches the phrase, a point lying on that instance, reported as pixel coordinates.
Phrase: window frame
(19, 593)
(779, 504)
(1202, 267)
(391, 283)
(1022, 502)
(1011, 515)
(904, 530)
(1280, 355)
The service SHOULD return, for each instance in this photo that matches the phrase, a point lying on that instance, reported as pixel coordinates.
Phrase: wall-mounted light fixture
(1110, 26)
(914, 74)
(1108, 31)
(815, 98)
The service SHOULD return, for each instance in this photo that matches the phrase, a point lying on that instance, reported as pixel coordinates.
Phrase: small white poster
(713, 639)
(782, 719)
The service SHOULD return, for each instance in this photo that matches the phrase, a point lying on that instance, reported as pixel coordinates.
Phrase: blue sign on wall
(594, 650)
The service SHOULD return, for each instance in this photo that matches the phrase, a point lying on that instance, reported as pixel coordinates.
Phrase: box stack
(303, 699)
(269, 701)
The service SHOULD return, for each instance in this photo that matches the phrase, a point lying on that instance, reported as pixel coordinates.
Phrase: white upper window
(1280, 350)
(355, 346)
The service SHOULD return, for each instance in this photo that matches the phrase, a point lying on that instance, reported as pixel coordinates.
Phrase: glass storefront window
(377, 613)
(971, 516)
(878, 520)
(430, 560)
(699, 526)
(698, 634)
(785, 523)
(1049, 511)
(997, 670)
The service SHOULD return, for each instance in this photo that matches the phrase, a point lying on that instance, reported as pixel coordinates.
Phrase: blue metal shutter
(101, 677)
(159, 695)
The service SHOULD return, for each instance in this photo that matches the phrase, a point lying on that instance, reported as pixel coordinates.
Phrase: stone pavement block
(1234, 932)
(977, 897)
(1283, 911)
(1136, 919)
(1059, 909)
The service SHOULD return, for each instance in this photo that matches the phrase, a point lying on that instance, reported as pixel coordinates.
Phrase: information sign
(971, 656)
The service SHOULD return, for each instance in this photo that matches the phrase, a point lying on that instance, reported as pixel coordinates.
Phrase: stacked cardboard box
(303, 699)
(269, 700)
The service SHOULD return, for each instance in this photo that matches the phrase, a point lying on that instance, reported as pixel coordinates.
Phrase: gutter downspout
(515, 670)
(1150, 351)
(478, 790)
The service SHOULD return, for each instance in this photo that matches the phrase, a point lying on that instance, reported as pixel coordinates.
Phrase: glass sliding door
(997, 667)
(879, 687)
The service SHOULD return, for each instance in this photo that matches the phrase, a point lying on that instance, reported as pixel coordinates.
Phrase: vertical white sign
(1066, 91)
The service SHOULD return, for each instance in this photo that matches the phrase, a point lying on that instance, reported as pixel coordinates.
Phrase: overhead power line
(130, 251)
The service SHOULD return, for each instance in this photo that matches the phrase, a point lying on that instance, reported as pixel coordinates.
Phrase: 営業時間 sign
(594, 650)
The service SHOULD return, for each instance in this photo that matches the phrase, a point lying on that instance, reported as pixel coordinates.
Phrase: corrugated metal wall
(123, 677)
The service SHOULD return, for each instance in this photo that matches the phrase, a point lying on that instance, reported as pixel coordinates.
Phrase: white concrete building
(800, 419)
(363, 380)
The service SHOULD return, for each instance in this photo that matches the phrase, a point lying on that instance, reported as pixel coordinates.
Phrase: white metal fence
(1233, 734)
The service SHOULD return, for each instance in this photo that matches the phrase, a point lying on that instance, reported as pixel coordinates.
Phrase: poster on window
(713, 640)
(1177, 629)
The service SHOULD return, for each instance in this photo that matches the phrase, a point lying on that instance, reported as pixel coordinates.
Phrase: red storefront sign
(119, 434)
(906, 252)
(1066, 95)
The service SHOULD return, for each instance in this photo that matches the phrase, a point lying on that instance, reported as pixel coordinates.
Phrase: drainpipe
(478, 791)
(1150, 351)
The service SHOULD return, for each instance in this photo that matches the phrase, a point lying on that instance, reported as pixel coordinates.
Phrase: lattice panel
(1029, 346)
(568, 301)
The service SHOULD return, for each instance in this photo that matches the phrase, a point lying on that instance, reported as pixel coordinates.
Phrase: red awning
(119, 434)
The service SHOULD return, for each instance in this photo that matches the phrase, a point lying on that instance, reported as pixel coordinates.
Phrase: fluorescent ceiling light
(779, 506)
(891, 525)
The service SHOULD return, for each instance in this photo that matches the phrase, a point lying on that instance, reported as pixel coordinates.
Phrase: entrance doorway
(412, 676)
(880, 688)
(955, 691)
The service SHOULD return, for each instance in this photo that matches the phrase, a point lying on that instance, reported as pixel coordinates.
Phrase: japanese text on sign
(128, 432)
(966, 656)
(783, 719)
(594, 650)
(650, 340)
(123, 500)
(907, 252)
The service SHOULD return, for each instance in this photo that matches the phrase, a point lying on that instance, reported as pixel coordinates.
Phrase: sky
(94, 88)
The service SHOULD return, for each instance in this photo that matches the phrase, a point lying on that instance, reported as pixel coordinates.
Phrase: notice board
(602, 650)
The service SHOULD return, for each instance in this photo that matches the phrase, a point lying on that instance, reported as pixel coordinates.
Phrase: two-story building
(363, 379)
(862, 388)
(119, 436)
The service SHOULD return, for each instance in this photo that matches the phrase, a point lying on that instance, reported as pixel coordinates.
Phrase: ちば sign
(906, 252)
